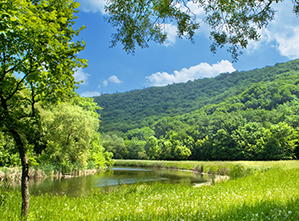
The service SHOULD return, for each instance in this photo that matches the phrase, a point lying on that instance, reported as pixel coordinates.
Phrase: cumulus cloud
(288, 45)
(80, 75)
(285, 31)
(199, 71)
(282, 33)
(93, 5)
(90, 94)
(114, 79)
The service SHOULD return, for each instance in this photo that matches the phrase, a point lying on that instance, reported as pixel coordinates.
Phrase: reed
(12, 174)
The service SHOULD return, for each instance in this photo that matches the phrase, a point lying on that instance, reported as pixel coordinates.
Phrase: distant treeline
(249, 116)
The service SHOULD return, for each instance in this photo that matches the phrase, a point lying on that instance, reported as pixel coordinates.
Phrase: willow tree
(232, 22)
(37, 62)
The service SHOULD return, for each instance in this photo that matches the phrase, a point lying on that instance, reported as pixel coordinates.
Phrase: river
(83, 185)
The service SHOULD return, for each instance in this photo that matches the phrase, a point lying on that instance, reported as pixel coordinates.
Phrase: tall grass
(12, 174)
(232, 168)
(271, 194)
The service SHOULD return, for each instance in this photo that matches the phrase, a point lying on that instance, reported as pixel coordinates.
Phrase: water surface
(78, 186)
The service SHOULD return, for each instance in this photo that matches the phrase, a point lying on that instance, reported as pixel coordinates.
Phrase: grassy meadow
(265, 191)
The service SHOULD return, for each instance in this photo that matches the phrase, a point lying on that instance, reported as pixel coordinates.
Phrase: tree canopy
(232, 22)
(37, 60)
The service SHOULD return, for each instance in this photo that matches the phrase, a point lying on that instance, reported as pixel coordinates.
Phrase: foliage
(141, 134)
(152, 149)
(37, 60)
(136, 149)
(71, 132)
(232, 23)
(115, 145)
(8, 153)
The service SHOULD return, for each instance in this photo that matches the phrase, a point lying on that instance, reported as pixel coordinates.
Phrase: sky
(112, 70)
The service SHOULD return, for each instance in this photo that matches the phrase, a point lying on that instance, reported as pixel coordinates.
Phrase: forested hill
(135, 109)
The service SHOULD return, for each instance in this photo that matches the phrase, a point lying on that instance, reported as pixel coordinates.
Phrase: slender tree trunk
(24, 185)
(25, 173)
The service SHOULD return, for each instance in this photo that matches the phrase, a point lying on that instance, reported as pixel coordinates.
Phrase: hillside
(139, 108)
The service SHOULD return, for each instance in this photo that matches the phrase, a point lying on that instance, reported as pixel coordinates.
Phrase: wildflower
(289, 212)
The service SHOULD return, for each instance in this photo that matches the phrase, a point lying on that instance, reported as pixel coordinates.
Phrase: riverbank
(234, 169)
(15, 173)
(265, 194)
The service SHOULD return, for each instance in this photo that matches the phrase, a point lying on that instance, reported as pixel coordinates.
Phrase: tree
(278, 142)
(116, 145)
(142, 133)
(71, 132)
(37, 62)
(246, 138)
(136, 149)
(232, 23)
(152, 149)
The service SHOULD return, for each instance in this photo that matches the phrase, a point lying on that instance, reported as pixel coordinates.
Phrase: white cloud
(198, 11)
(90, 94)
(171, 31)
(80, 75)
(282, 33)
(105, 83)
(199, 71)
(93, 5)
(114, 79)
(284, 30)
(288, 45)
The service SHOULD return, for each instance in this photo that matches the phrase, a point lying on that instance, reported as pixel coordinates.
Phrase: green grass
(271, 194)
(206, 164)
(231, 168)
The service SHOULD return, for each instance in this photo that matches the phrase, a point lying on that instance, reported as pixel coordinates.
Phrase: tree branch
(18, 85)
(4, 61)
(33, 100)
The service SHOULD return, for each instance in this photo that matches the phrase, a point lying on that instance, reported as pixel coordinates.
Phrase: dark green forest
(249, 115)
(135, 109)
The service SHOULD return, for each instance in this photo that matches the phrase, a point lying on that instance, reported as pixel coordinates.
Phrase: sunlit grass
(232, 168)
(264, 195)
(207, 164)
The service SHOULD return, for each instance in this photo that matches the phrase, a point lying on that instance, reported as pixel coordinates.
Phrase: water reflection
(80, 186)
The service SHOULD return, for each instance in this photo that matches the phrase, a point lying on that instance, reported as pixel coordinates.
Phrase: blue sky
(112, 70)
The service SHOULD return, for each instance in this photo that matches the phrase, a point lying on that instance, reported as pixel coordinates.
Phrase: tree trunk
(25, 173)
(24, 185)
